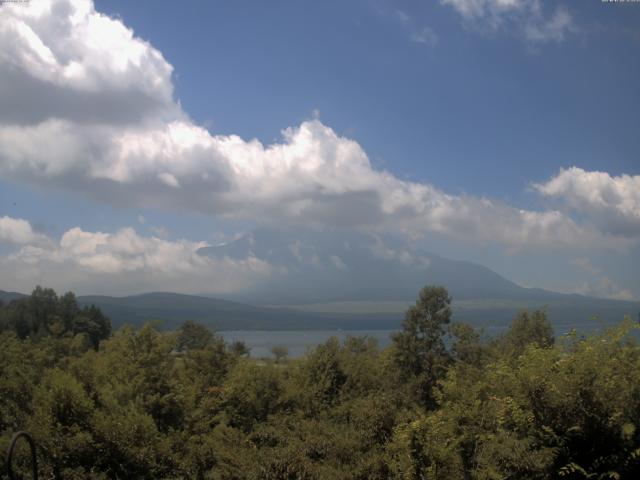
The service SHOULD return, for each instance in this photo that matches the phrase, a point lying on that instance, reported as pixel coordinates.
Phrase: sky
(132, 134)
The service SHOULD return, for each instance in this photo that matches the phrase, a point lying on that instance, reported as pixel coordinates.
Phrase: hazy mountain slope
(338, 272)
(338, 279)
(6, 297)
(172, 309)
(330, 266)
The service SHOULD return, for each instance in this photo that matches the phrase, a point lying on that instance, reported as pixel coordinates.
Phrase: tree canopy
(43, 313)
(145, 404)
(419, 348)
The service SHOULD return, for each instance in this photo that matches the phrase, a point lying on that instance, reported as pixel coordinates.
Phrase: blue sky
(451, 113)
(476, 99)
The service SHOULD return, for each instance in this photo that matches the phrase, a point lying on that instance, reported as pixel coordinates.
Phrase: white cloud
(553, 29)
(62, 59)
(492, 10)
(604, 287)
(337, 262)
(304, 254)
(155, 157)
(313, 176)
(611, 202)
(419, 34)
(526, 17)
(598, 284)
(403, 17)
(426, 36)
(169, 179)
(123, 262)
(381, 250)
(19, 231)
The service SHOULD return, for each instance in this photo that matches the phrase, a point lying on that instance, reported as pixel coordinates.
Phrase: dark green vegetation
(44, 314)
(183, 404)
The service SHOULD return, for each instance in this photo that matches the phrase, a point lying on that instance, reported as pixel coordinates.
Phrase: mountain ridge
(341, 280)
(333, 266)
(172, 309)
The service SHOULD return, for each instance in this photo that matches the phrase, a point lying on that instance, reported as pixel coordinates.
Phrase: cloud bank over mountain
(121, 262)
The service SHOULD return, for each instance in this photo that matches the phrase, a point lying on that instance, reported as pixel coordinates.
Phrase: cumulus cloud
(62, 59)
(155, 157)
(19, 232)
(121, 262)
(611, 202)
(527, 17)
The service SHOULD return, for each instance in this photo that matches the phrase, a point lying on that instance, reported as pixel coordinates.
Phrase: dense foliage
(144, 404)
(44, 314)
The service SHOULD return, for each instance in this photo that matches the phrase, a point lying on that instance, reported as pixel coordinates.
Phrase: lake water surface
(300, 341)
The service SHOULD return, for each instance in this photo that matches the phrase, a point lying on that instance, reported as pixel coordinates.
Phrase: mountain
(171, 309)
(6, 297)
(335, 266)
(344, 280)
(338, 272)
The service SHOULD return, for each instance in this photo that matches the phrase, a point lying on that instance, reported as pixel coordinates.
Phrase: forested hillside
(142, 404)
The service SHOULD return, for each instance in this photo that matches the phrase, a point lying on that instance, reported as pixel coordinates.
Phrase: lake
(297, 341)
(300, 341)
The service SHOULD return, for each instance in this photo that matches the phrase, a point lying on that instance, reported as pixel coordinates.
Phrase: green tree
(44, 314)
(319, 378)
(193, 336)
(419, 349)
(239, 349)
(93, 323)
(527, 328)
(251, 393)
(280, 352)
(467, 345)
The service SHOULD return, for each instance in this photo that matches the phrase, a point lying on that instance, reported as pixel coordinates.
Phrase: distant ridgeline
(169, 310)
(43, 313)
